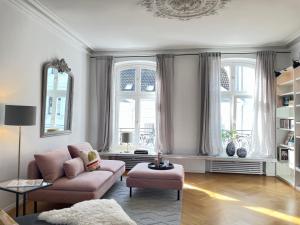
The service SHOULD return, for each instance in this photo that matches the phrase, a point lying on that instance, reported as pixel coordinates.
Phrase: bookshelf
(288, 126)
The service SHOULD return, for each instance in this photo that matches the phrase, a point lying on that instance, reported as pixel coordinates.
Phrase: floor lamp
(17, 115)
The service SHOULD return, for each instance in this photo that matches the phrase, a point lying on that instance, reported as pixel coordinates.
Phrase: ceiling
(114, 25)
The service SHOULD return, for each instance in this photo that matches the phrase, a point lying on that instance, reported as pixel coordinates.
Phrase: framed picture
(283, 154)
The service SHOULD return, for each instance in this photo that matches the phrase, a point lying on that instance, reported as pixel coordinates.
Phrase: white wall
(296, 51)
(25, 44)
(186, 105)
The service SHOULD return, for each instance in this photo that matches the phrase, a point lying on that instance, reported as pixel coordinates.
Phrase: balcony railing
(146, 136)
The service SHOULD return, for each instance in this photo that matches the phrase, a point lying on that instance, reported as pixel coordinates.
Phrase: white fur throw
(92, 212)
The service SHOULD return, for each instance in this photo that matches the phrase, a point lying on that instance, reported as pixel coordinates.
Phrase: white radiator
(132, 160)
(236, 167)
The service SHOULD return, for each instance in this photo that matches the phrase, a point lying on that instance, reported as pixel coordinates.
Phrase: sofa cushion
(51, 163)
(91, 159)
(33, 171)
(76, 148)
(86, 181)
(111, 165)
(73, 167)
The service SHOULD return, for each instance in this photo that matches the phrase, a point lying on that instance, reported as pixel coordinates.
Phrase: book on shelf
(24, 183)
(287, 123)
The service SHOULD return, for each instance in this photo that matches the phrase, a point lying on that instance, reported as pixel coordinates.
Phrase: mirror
(57, 93)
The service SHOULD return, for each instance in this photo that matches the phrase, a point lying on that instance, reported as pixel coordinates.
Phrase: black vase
(296, 64)
(230, 149)
(241, 152)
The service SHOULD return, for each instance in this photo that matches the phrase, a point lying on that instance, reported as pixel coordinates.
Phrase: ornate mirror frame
(61, 67)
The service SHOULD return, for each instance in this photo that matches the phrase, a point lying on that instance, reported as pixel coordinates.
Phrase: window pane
(244, 109)
(225, 113)
(225, 78)
(127, 80)
(148, 80)
(244, 81)
(51, 77)
(126, 116)
(147, 123)
(62, 83)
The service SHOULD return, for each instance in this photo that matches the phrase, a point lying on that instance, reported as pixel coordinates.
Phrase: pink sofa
(85, 186)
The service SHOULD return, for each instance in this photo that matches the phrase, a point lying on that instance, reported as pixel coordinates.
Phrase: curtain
(100, 134)
(210, 142)
(263, 133)
(164, 103)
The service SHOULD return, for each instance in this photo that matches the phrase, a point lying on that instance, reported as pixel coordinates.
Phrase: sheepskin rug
(92, 212)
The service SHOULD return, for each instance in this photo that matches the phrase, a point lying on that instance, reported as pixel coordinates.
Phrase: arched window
(237, 89)
(135, 103)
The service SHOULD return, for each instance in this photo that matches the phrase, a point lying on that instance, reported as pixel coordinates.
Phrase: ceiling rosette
(183, 9)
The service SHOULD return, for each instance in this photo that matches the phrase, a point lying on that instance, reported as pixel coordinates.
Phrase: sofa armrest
(33, 171)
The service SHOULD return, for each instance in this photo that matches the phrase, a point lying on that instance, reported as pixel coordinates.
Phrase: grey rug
(147, 206)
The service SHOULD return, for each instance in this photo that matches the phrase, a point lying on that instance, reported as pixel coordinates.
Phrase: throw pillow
(91, 159)
(5, 219)
(51, 164)
(73, 167)
(75, 149)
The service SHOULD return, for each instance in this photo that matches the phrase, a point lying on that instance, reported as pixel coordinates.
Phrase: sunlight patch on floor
(275, 214)
(211, 193)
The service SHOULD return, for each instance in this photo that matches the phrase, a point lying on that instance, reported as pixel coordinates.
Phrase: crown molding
(43, 15)
(228, 50)
(294, 41)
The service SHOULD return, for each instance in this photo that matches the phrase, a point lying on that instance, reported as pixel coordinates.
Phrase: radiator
(132, 160)
(236, 167)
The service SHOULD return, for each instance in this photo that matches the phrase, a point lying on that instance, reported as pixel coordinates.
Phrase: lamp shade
(18, 115)
(126, 137)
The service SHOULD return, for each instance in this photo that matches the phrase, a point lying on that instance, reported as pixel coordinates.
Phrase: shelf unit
(287, 125)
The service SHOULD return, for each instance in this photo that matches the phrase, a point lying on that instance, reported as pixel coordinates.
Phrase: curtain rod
(189, 54)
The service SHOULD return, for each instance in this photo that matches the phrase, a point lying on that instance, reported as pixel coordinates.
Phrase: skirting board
(13, 205)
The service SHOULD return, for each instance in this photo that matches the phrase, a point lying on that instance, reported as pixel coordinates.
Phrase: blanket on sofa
(99, 211)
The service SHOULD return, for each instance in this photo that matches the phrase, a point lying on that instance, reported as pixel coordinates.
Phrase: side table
(22, 191)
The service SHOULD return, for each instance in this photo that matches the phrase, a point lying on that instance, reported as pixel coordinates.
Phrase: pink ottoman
(142, 177)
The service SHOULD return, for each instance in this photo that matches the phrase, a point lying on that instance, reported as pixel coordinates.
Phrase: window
(135, 103)
(237, 86)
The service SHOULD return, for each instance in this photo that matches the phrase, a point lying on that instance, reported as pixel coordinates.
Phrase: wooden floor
(225, 199)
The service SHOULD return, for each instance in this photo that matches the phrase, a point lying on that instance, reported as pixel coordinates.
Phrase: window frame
(233, 94)
(137, 95)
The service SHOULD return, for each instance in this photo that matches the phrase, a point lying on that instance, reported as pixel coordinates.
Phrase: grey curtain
(263, 133)
(210, 142)
(100, 134)
(164, 101)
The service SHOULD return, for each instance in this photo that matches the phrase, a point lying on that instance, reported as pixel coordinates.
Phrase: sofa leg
(121, 178)
(35, 206)
(130, 192)
(178, 195)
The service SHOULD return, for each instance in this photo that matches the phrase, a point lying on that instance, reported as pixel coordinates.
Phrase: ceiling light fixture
(183, 9)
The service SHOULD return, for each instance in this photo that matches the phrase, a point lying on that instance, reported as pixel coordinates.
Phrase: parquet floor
(229, 199)
(225, 199)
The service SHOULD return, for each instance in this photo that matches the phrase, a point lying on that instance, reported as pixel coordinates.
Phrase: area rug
(147, 206)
